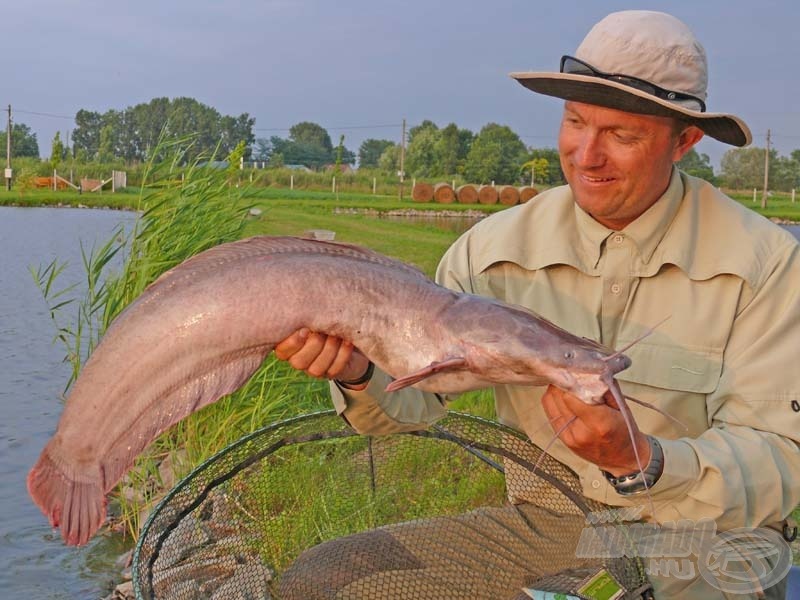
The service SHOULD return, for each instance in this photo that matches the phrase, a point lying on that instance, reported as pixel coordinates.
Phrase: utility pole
(402, 172)
(766, 175)
(8, 151)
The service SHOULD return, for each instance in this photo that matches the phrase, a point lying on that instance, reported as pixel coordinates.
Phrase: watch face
(639, 481)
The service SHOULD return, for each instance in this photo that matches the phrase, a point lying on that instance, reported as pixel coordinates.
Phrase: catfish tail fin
(77, 507)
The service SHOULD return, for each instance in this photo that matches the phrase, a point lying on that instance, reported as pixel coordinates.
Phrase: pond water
(33, 561)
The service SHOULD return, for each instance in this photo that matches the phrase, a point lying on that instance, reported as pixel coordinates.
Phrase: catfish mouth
(618, 362)
(588, 387)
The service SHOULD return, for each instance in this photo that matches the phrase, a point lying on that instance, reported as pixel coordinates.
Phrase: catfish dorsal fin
(448, 364)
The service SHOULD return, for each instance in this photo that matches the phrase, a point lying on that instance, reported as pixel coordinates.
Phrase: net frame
(182, 551)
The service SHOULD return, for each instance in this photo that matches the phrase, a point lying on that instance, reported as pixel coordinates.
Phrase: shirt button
(596, 484)
(615, 288)
(618, 238)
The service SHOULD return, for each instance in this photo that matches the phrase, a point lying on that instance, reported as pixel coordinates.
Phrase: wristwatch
(640, 481)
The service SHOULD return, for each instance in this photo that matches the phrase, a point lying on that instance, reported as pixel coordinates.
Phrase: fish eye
(569, 355)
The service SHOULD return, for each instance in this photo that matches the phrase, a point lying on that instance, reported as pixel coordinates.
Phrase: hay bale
(508, 195)
(487, 194)
(467, 194)
(527, 192)
(443, 193)
(422, 192)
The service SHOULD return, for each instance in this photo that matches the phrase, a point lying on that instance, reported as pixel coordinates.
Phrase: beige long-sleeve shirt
(723, 363)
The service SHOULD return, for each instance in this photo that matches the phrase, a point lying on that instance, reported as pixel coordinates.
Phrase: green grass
(779, 205)
(408, 486)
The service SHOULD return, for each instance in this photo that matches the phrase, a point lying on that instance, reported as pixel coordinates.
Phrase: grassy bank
(321, 203)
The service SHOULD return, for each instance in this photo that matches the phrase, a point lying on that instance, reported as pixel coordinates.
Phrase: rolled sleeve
(374, 411)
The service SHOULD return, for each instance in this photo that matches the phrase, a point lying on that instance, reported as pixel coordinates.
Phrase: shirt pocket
(684, 369)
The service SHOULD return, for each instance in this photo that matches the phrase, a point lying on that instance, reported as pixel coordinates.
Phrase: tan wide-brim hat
(637, 48)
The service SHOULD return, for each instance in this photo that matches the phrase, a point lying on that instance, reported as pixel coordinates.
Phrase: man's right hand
(324, 356)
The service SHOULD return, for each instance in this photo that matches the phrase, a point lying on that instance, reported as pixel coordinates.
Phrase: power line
(340, 128)
(43, 114)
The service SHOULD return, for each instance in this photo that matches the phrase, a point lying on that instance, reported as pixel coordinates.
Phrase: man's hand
(325, 356)
(598, 434)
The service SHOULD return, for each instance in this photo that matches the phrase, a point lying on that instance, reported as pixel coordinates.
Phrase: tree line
(495, 153)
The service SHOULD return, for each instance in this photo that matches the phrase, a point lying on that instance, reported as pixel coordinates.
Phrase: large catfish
(202, 329)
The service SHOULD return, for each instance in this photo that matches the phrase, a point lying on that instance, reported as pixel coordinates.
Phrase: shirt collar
(648, 231)
(566, 234)
(692, 226)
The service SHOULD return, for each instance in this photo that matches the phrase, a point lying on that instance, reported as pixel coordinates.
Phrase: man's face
(618, 164)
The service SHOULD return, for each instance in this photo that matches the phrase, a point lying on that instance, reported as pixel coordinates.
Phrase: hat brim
(610, 94)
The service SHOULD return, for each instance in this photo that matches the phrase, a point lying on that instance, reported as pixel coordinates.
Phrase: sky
(359, 67)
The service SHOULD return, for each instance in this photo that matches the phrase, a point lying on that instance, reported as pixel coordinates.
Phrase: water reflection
(453, 224)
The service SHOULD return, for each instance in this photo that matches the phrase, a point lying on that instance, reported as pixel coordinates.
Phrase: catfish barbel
(202, 329)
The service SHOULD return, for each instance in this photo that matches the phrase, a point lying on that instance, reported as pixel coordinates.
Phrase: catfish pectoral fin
(75, 504)
(450, 364)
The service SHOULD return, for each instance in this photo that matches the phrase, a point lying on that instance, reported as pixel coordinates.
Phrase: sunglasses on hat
(575, 66)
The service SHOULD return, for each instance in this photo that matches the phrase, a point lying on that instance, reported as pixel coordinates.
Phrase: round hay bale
(527, 192)
(508, 195)
(443, 193)
(467, 194)
(487, 194)
(422, 192)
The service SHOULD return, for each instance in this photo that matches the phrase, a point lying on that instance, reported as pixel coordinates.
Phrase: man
(629, 242)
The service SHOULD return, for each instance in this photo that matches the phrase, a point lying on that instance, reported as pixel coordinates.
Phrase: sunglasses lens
(576, 67)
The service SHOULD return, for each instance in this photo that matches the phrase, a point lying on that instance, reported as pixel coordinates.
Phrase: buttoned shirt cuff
(376, 412)
(681, 469)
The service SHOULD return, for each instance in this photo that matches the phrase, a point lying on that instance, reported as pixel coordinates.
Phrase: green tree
(742, 168)
(105, 151)
(421, 158)
(313, 134)
(313, 156)
(86, 135)
(697, 165)
(548, 170)
(135, 131)
(310, 145)
(784, 173)
(425, 125)
(276, 160)
(496, 155)
(390, 159)
(369, 153)
(446, 152)
(57, 151)
(23, 141)
(235, 130)
(539, 169)
(263, 149)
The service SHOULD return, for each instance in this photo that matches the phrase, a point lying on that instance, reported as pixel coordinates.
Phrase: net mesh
(307, 508)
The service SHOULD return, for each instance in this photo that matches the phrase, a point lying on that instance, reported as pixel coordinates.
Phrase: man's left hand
(598, 434)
